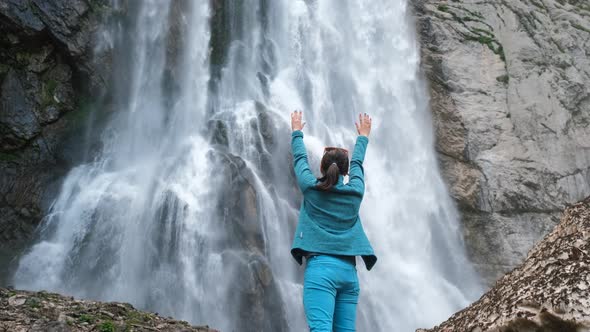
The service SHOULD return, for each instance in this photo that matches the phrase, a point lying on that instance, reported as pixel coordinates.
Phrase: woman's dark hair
(334, 163)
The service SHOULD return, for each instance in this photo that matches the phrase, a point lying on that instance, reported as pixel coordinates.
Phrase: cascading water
(190, 208)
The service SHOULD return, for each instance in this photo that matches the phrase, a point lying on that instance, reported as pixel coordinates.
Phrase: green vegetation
(136, 317)
(85, 318)
(538, 5)
(47, 93)
(107, 326)
(482, 39)
(490, 42)
(579, 27)
(487, 32)
(33, 302)
(482, 36)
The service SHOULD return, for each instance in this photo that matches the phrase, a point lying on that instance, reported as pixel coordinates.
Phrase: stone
(16, 300)
(56, 313)
(18, 122)
(547, 292)
(20, 14)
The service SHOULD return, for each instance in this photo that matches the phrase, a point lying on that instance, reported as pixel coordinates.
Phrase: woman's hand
(363, 127)
(296, 123)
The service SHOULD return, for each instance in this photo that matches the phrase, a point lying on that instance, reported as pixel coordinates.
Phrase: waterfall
(190, 207)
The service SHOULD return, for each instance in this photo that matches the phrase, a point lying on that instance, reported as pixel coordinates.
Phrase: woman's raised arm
(356, 173)
(305, 177)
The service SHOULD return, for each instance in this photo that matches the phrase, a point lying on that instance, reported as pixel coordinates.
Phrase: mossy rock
(491, 42)
(47, 93)
(443, 8)
(86, 318)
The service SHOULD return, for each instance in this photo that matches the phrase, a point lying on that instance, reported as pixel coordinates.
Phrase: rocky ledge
(550, 291)
(42, 311)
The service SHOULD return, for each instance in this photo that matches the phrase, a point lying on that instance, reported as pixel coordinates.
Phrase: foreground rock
(510, 88)
(42, 311)
(550, 291)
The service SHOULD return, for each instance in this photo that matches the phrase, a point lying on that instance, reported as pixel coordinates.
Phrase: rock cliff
(42, 311)
(510, 95)
(47, 67)
(548, 292)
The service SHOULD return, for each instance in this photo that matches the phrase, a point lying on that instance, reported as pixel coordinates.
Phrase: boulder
(548, 292)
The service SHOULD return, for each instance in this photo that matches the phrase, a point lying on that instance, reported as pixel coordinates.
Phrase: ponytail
(330, 178)
(334, 163)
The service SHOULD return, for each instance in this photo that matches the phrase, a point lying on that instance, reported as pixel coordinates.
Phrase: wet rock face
(46, 67)
(510, 95)
(258, 298)
(548, 292)
(18, 120)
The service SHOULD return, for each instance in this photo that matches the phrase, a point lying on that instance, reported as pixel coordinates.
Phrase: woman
(329, 233)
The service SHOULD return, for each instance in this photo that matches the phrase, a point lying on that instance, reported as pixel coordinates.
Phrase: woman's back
(329, 222)
(335, 209)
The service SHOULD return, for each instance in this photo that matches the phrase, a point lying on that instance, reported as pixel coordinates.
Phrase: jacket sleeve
(305, 177)
(356, 173)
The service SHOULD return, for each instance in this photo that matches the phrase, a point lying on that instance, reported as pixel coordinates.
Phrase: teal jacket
(329, 221)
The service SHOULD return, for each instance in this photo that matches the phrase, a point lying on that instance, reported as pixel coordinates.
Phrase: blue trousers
(330, 294)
